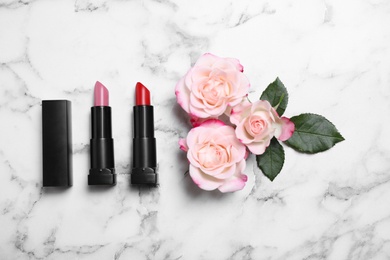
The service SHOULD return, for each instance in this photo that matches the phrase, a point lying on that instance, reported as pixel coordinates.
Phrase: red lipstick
(102, 171)
(144, 143)
(142, 95)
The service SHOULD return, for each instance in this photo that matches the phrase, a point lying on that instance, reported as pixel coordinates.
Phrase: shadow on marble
(181, 116)
(55, 190)
(99, 189)
(195, 192)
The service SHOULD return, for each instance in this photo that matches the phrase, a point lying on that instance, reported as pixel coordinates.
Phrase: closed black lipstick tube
(144, 143)
(102, 171)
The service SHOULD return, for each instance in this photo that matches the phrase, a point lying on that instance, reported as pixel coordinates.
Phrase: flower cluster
(216, 150)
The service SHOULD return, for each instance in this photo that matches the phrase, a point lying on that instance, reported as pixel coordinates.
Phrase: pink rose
(211, 86)
(257, 123)
(216, 156)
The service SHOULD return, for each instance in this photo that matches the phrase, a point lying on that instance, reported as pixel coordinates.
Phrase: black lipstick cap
(57, 143)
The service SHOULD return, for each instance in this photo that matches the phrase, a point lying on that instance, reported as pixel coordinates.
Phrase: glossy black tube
(144, 147)
(102, 170)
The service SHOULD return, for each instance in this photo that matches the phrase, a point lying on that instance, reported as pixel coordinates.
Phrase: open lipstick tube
(102, 171)
(144, 170)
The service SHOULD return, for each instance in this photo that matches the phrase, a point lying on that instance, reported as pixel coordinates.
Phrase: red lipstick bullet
(142, 95)
(144, 143)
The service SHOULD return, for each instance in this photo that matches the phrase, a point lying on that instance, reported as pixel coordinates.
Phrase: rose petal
(188, 79)
(226, 173)
(213, 123)
(234, 184)
(196, 121)
(191, 138)
(193, 157)
(242, 134)
(240, 111)
(258, 147)
(261, 105)
(200, 73)
(183, 144)
(198, 112)
(182, 95)
(216, 111)
(243, 86)
(237, 148)
(236, 63)
(204, 181)
(287, 129)
(246, 154)
(225, 65)
(206, 60)
(237, 182)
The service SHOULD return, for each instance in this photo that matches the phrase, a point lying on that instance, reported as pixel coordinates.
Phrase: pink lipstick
(101, 95)
(102, 171)
(144, 143)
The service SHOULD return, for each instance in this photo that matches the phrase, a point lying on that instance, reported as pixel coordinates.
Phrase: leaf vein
(317, 134)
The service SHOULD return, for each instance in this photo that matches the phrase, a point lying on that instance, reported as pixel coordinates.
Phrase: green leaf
(277, 96)
(272, 160)
(313, 134)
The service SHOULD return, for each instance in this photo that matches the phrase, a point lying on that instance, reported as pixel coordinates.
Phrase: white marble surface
(334, 58)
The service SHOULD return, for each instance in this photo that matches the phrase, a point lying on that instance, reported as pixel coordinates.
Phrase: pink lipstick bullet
(101, 95)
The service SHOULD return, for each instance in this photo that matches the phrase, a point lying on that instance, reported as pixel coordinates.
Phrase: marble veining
(334, 58)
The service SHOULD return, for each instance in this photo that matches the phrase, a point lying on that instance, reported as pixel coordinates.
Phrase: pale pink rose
(211, 86)
(257, 123)
(216, 156)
